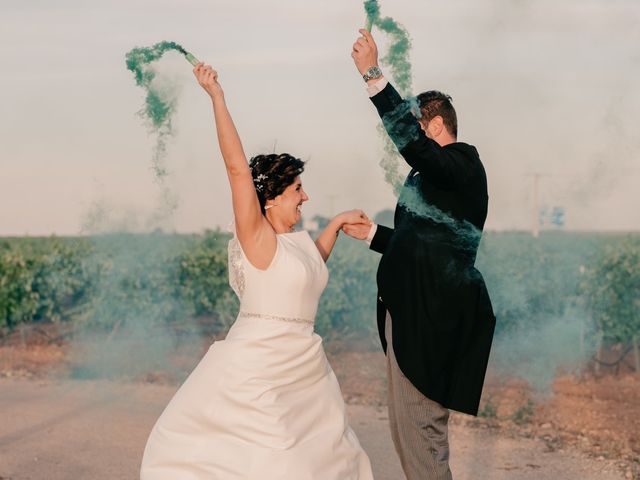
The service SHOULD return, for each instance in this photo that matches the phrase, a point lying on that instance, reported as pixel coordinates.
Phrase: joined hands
(356, 224)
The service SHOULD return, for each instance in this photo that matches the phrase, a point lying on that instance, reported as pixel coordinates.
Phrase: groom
(434, 314)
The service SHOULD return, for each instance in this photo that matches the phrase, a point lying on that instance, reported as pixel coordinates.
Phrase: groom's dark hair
(273, 173)
(433, 103)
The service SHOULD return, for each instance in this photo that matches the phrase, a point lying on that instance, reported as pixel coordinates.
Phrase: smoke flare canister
(372, 10)
(368, 24)
(191, 59)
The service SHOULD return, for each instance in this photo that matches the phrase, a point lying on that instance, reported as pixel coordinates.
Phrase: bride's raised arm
(250, 223)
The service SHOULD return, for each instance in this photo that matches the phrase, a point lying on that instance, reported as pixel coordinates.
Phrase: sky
(545, 87)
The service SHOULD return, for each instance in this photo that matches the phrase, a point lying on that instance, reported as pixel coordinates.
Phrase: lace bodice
(289, 288)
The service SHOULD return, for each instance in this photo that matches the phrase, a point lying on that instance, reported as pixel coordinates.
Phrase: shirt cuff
(371, 234)
(376, 87)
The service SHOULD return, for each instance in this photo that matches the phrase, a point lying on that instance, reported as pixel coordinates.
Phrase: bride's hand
(356, 216)
(208, 79)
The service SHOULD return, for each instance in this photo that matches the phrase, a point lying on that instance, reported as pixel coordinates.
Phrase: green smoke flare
(159, 106)
(398, 61)
(397, 58)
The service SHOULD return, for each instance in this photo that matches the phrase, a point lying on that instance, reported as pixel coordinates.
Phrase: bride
(264, 403)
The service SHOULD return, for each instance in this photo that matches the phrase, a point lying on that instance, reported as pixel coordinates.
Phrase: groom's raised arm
(444, 166)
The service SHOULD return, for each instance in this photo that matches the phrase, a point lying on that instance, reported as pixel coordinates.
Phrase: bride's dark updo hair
(273, 173)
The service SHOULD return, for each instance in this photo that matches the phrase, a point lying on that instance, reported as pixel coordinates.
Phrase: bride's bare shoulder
(259, 245)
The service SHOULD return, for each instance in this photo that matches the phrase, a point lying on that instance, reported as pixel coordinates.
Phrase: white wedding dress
(264, 403)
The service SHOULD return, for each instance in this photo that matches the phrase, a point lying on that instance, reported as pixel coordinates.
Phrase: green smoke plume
(159, 104)
(467, 236)
(156, 108)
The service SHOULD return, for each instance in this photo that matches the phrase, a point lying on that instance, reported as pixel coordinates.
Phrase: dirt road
(92, 430)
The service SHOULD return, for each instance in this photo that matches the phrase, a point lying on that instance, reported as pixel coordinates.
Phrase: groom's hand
(365, 52)
(359, 231)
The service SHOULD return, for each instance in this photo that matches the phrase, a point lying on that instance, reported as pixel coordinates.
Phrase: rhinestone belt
(275, 317)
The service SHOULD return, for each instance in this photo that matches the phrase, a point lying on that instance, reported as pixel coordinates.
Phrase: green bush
(202, 278)
(18, 300)
(612, 291)
(62, 280)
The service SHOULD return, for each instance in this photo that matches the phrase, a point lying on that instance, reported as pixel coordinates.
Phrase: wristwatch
(371, 73)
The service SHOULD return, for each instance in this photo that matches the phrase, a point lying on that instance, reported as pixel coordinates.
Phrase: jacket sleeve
(381, 239)
(445, 167)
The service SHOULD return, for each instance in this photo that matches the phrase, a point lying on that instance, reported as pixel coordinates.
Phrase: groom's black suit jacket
(443, 321)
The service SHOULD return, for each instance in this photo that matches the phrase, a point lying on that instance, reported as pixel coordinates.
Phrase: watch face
(374, 72)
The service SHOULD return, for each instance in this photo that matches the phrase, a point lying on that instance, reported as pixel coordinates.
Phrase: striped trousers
(418, 425)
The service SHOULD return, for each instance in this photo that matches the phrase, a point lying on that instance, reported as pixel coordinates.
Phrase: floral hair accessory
(258, 181)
